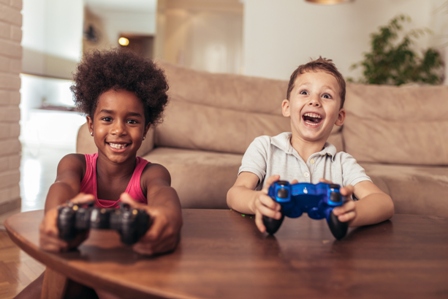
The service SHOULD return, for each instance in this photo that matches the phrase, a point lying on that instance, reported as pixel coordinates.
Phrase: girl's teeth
(117, 146)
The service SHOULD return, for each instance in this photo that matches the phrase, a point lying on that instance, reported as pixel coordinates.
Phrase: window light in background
(123, 41)
(328, 1)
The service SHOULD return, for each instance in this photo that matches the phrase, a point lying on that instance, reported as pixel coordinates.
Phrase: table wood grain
(222, 255)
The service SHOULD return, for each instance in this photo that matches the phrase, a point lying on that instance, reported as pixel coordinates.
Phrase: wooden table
(222, 255)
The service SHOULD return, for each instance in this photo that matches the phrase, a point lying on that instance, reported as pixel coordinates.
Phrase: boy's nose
(314, 102)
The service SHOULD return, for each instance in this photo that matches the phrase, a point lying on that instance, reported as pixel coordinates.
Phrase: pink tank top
(89, 183)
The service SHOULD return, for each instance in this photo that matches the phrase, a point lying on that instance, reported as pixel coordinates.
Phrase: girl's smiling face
(314, 106)
(118, 125)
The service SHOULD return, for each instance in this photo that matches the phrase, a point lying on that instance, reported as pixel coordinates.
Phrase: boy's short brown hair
(320, 64)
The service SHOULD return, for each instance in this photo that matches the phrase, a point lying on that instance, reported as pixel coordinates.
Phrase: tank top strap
(134, 186)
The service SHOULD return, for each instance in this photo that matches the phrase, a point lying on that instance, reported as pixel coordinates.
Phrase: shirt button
(306, 174)
(312, 161)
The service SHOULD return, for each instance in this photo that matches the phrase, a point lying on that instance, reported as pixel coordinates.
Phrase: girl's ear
(285, 108)
(146, 130)
(89, 124)
(341, 117)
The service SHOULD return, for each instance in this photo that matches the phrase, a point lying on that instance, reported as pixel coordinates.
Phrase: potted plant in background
(394, 58)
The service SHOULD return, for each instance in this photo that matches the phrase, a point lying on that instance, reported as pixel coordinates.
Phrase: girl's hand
(48, 230)
(164, 233)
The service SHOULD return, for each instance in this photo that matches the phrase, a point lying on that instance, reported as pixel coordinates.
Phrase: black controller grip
(338, 229)
(272, 225)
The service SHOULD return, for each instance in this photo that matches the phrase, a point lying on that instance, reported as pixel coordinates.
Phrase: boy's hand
(346, 212)
(264, 205)
(164, 233)
(49, 233)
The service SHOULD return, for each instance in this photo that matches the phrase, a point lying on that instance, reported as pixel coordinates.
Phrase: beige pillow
(397, 125)
(194, 126)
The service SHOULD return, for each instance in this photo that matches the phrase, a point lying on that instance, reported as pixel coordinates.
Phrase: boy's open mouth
(118, 145)
(312, 118)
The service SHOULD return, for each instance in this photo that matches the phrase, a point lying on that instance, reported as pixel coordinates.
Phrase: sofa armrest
(85, 144)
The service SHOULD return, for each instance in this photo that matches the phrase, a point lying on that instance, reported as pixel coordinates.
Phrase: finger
(269, 181)
(347, 216)
(259, 222)
(345, 208)
(267, 201)
(82, 198)
(347, 190)
(271, 212)
(127, 199)
(294, 181)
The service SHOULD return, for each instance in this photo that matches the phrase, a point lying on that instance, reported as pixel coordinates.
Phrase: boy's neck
(306, 148)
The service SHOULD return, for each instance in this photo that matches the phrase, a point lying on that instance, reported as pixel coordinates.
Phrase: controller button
(335, 197)
(282, 193)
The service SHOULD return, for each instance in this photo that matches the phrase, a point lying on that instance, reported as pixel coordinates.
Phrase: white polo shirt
(267, 156)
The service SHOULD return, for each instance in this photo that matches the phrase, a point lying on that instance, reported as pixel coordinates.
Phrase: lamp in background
(328, 1)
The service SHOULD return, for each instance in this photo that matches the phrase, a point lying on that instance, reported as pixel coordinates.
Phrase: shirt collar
(282, 141)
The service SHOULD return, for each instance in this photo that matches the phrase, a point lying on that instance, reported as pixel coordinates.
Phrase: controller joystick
(129, 222)
(317, 200)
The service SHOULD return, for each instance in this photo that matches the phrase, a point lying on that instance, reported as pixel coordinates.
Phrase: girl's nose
(117, 128)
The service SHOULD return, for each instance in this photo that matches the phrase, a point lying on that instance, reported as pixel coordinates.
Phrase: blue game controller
(317, 200)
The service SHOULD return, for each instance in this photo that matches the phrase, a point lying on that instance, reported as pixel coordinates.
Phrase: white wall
(201, 34)
(52, 36)
(282, 34)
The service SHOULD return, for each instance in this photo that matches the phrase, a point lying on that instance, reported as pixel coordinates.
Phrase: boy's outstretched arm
(165, 211)
(243, 197)
(373, 205)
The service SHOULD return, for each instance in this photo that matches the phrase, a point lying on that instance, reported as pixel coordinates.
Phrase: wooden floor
(17, 269)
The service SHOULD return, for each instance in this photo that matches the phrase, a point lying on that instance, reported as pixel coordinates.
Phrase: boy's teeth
(312, 115)
(117, 145)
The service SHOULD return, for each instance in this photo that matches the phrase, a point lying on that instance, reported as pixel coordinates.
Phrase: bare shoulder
(72, 163)
(154, 172)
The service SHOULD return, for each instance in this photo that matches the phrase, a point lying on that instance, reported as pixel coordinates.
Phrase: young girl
(122, 95)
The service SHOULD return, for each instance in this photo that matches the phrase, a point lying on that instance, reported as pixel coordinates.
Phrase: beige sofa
(399, 134)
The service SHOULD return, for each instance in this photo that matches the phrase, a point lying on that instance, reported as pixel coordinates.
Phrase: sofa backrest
(399, 125)
(219, 112)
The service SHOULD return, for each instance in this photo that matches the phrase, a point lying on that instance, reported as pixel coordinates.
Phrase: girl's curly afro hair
(116, 69)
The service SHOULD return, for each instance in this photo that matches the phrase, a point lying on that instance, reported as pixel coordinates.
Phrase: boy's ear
(341, 117)
(285, 108)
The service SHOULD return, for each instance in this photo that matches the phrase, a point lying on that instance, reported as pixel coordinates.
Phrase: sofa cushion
(200, 178)
(231, 91)
(397, 125)
(190, 125)
(414, 189)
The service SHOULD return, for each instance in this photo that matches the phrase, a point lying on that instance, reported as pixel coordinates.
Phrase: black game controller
(129, 222)
(317, 200)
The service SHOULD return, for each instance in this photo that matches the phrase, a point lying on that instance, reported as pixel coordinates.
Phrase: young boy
(314, 103)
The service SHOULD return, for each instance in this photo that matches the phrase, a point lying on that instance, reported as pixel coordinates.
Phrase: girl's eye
(132, 122)
(326, 96)
(303, 92)
(106, 119)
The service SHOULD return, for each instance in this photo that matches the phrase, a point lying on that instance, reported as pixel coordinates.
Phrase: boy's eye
(132, 121)
(303, 92)
(106, 118)
(327, 96)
